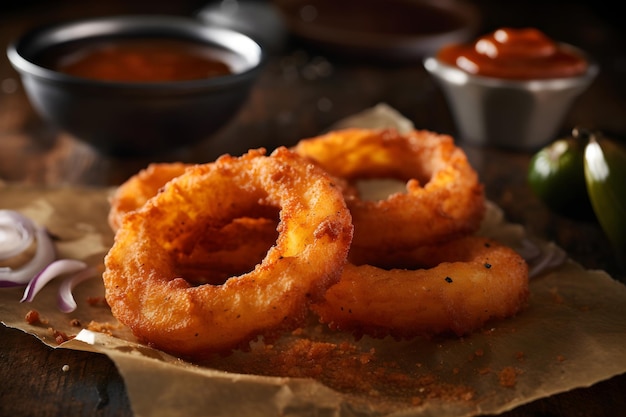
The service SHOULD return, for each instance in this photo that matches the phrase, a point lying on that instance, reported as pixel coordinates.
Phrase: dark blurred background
(599, 30)
(513, 12)
(604, 18)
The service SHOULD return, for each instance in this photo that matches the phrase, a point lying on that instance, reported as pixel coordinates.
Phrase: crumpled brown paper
(572, 335)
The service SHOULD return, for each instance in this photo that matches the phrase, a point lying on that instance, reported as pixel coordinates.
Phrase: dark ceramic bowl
(136, 118)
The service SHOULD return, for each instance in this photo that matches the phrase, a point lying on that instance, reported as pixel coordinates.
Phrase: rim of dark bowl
(21, 50)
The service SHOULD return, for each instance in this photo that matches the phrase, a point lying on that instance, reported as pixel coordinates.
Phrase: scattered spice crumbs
(345, 367)
(59, 336)
(508, 376)
(106, 328)
(33, 317)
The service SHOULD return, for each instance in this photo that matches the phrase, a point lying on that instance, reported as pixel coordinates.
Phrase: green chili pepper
(556, 176)
(605, 175)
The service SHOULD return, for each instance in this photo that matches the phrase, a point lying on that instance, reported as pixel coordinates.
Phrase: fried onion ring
(443, 200)
(147, 291)
(139, 188)
(464, 284)
(242, 243)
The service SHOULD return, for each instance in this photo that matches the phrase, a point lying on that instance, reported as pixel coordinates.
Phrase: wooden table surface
(300, 93)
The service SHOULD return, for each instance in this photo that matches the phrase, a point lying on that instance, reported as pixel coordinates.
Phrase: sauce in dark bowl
(136, 85)
(137, 59)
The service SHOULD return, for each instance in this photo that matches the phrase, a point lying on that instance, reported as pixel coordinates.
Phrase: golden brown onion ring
(147, 293)
(242, 243)
(465, 283)
(135, 191)
(443, 199)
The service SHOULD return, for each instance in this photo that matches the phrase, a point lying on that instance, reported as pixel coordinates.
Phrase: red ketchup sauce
(138, 60)
(518, 54)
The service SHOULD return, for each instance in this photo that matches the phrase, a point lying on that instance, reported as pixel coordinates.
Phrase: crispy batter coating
(139, 188)
(145, 279)
(192, 263)
(463, 284)
(242, 243)
(443, 197)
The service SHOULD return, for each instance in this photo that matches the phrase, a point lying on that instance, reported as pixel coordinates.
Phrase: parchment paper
(572, 335)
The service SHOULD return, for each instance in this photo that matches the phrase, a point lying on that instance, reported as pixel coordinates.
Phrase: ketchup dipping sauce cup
(511, 88)
(136, 85)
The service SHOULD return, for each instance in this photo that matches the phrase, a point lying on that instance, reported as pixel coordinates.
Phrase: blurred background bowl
(260, 20)
(392, 31)
(130, 118)
(521, 115)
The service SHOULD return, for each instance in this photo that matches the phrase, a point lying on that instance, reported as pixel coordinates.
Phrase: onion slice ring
(44, 255)
(146, 293)
(17, 233)
(466, 283)
(443, 200)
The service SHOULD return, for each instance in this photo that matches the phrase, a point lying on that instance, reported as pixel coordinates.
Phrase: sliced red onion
(65, 298)
(17, 233)
(551, 258)
(540, 259)
(44, 254)
(528, 250)
(53, 270)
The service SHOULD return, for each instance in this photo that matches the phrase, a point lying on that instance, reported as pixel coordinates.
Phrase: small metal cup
(511, 114)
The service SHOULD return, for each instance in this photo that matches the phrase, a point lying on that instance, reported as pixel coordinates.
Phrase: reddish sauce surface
(141, 60)
(520, 54)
